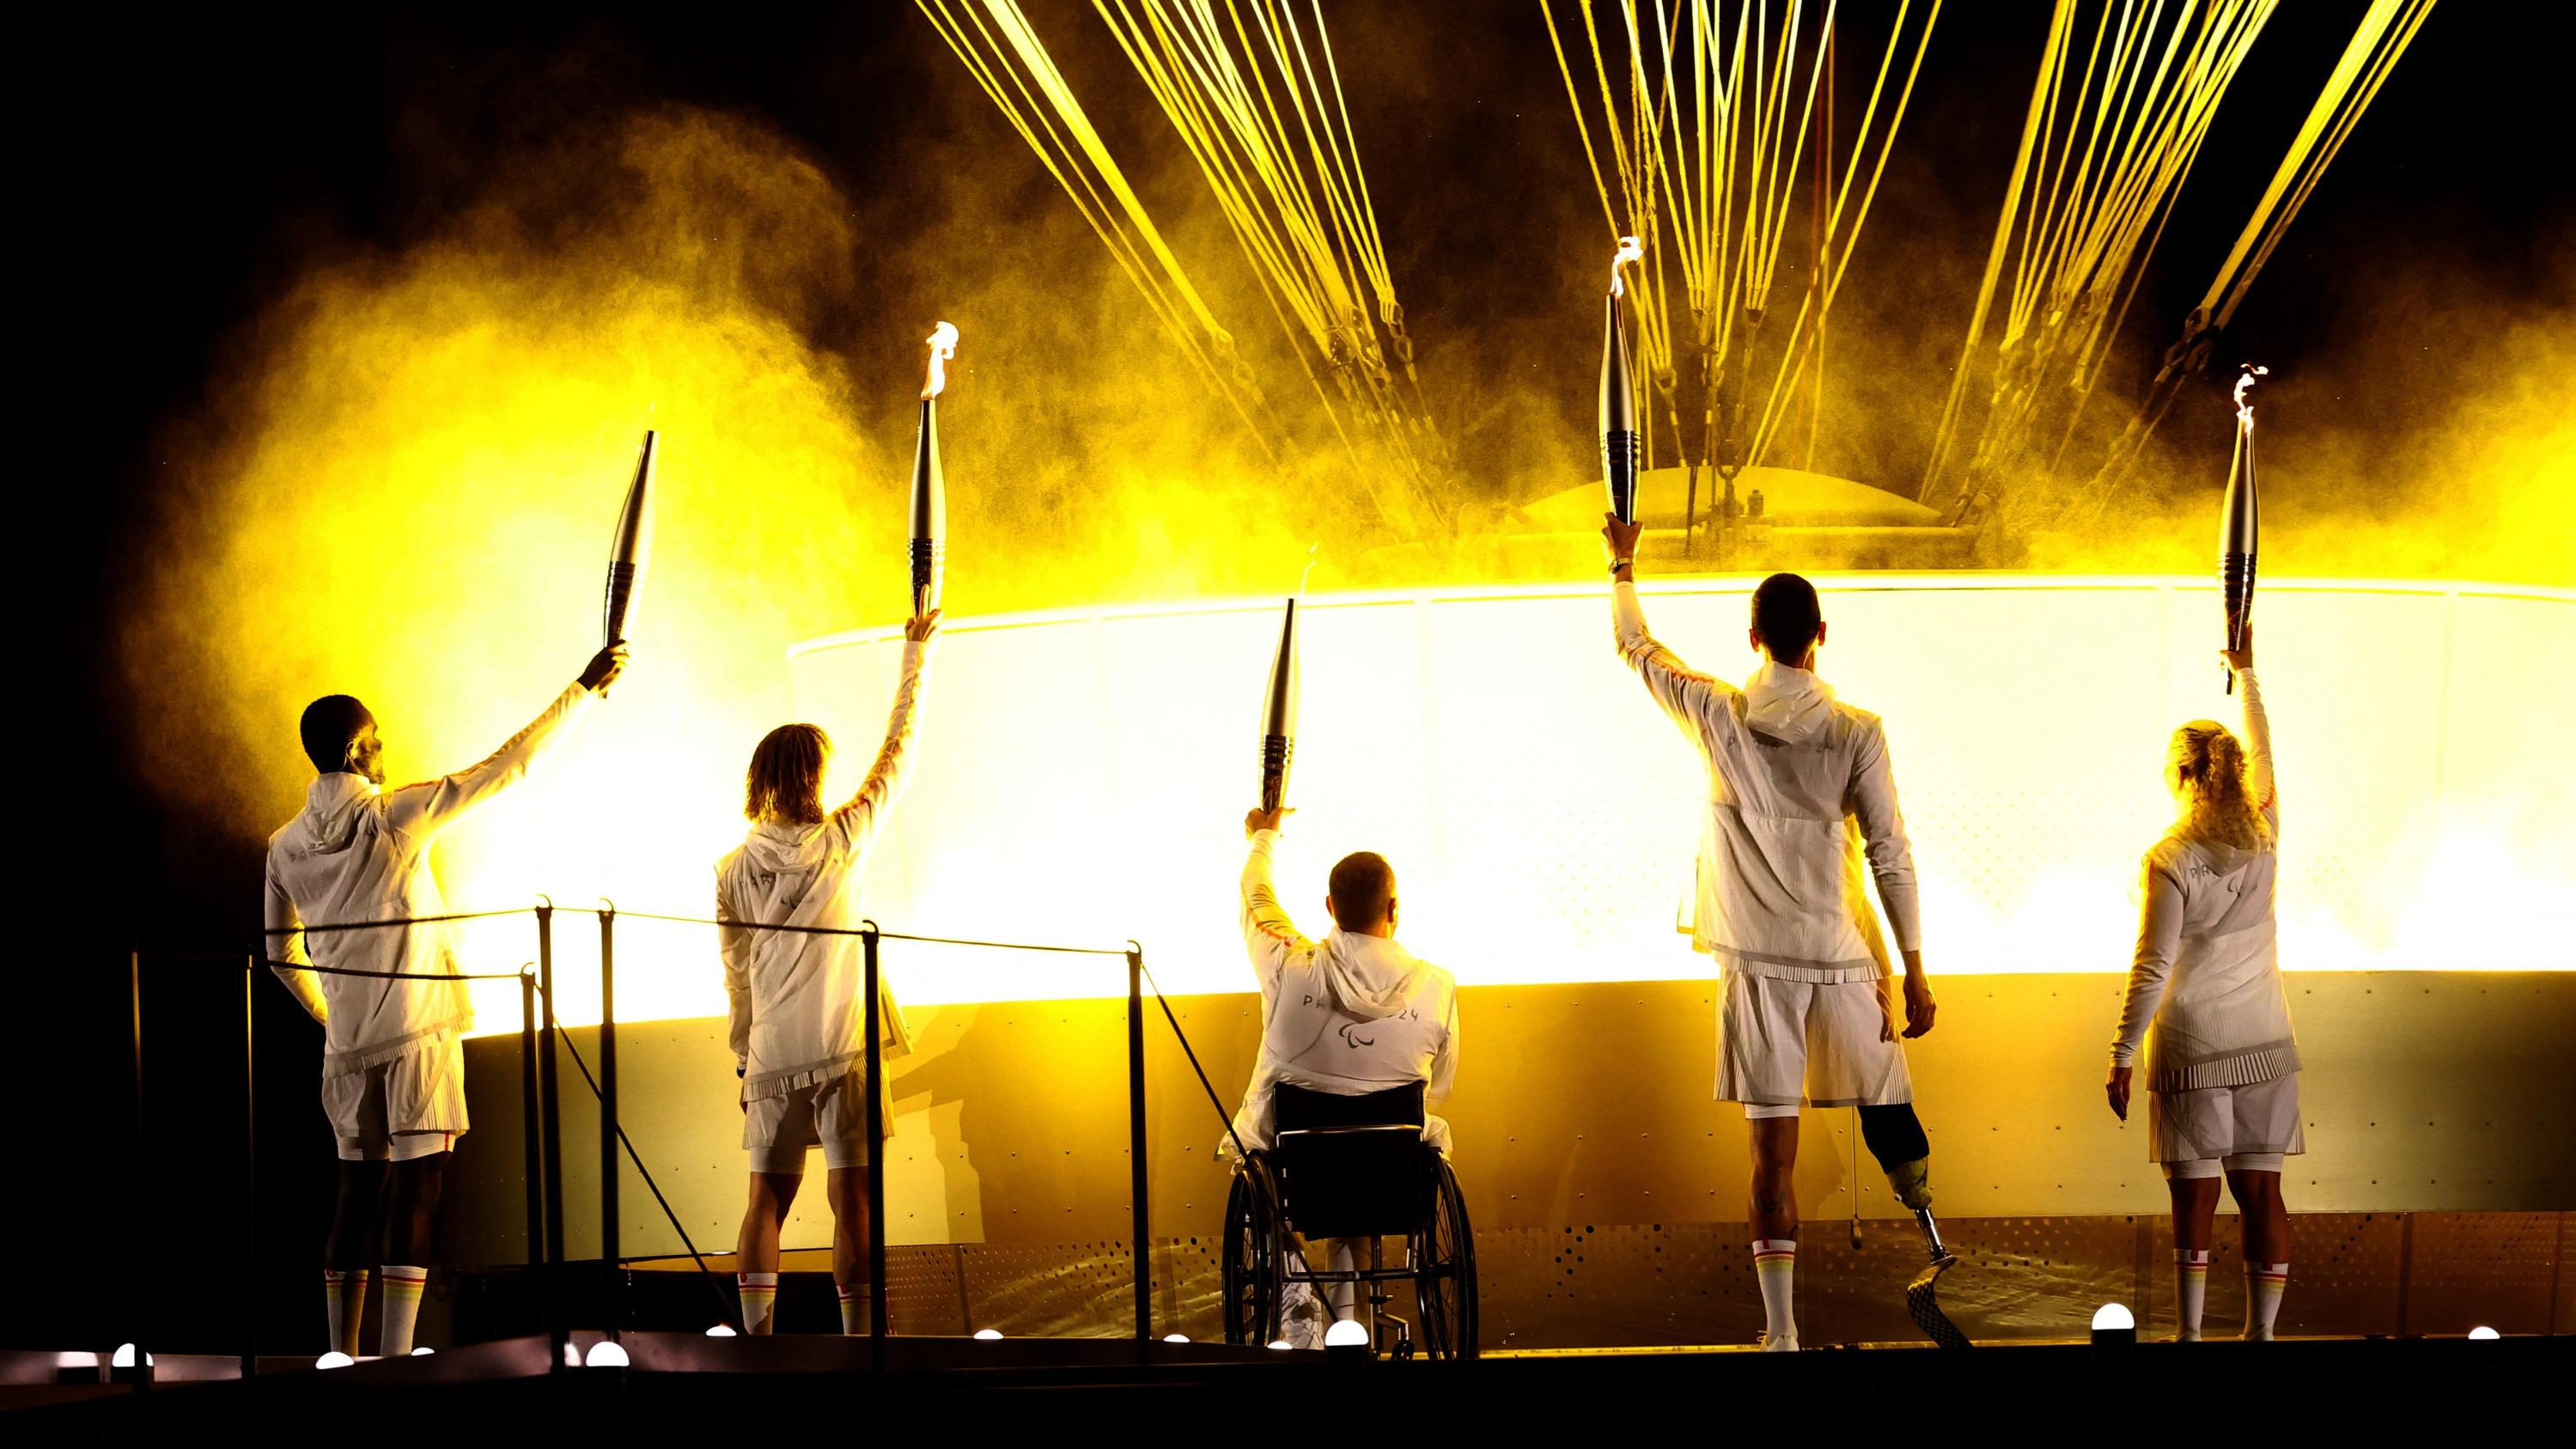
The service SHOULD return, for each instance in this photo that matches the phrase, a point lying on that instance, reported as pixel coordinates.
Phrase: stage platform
(508, 1384)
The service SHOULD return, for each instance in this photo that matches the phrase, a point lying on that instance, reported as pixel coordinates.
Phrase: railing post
(250, 1174)
(610, 1254)
(873, 1079)
(531, 1130)
(1141, 1224)
(549, 1109)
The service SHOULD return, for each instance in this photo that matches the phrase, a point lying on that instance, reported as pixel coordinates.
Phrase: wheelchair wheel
(1444, 1271)
(1250, 1267)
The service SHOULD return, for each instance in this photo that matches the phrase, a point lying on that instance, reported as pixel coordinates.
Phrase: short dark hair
(786, 775)
(329, 724)
(1786, 615)
(1363, 890)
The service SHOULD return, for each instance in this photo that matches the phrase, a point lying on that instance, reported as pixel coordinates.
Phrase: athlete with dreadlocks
(2205, 1000)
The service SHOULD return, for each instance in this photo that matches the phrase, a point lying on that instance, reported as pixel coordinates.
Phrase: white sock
(403, 1287)
(344, 1298)
(759, 1299)
(2191, 1289)
(1775, 1263)
(858, 1304)
(2264, 1284)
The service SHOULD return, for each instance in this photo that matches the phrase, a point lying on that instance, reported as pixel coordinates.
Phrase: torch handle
(929, 562)
(1275, 751)
(1619, 457)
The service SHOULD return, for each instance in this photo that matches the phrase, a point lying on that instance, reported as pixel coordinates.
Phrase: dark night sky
(190, 163)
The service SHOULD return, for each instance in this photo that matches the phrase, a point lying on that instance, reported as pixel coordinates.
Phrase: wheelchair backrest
(1353, 1167)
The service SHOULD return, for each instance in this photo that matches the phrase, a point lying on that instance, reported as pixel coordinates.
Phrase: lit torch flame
(943, 346)
(2244, 409)
(1629, 250)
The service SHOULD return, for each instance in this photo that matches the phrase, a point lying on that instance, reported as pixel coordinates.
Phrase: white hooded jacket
(358, 853)
(793, 998)
(2206, 976)
(1351, 1015)
(1801, 817)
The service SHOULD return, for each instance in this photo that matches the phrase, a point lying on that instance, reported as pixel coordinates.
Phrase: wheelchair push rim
(1444, 1280)
(1250, 1265)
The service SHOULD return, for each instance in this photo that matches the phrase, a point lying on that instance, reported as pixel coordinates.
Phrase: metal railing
(541, 1038)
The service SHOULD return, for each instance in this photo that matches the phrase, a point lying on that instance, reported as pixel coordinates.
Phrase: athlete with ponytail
(2205, 1000)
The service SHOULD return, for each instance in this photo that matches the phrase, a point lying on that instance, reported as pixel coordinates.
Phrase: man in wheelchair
(1358, 1036)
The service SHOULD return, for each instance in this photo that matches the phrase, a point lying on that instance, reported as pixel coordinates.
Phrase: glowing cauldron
(1084, 774)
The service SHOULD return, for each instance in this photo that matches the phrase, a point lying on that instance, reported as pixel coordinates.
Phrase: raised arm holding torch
(929, 486)
(2240, 525)
(1621, 444)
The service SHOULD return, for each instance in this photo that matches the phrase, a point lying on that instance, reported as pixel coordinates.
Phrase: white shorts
(2201, 1128)
(403, 1109)
(831, 1114)
(1780, 1042)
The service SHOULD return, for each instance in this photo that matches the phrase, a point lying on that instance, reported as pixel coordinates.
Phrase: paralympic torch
(1279, 704)
(929, 485)
(1620, 443)
(2240, 524)
(633, 547)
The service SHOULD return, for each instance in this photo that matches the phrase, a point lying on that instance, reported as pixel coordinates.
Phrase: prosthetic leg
(1895, 1138)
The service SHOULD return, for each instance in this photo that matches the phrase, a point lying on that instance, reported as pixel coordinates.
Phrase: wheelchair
(1357, 1168)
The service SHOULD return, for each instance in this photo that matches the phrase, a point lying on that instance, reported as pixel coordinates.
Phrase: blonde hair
(2207, 767)
(785, 781)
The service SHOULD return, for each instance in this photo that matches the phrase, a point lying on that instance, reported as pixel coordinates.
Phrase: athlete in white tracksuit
(393, 1064)
(797, 1022)
(2206, 1003)
(1352, 1014)
(1802, 816)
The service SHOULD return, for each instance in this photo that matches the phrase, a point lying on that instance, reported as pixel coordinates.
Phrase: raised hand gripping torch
(2240, 523)
(929, 485)
(632, 548)
(1621, 444)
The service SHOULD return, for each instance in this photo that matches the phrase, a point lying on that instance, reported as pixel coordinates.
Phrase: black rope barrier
(275, 965)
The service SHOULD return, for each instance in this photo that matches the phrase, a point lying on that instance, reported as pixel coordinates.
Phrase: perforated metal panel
(2500, 1270)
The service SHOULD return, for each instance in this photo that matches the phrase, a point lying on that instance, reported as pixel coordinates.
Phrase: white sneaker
(1778, 1345)
(1301, 1316)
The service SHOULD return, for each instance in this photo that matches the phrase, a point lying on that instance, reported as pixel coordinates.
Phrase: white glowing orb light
(1281, 1344)
(1176, 1338)
(334, 1359)
(607, 1353)
(2114, 1317)
(124, 1357)
(1346, 1333)
(422, 1352)
(988, 1335)
(2483, 1332)
(721, 1330)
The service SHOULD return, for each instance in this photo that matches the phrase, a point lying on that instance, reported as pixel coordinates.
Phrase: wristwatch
(1617, 564)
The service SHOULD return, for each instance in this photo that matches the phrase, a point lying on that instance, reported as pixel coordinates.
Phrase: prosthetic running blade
(1922, 1296)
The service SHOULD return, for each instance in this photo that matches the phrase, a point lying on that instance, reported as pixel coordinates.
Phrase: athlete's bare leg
(1775, 1160)
(2195, 1211)
(2267, 1216)
(848, 1190)
(772, 1194)
(408, 1226)
(353, 1217)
